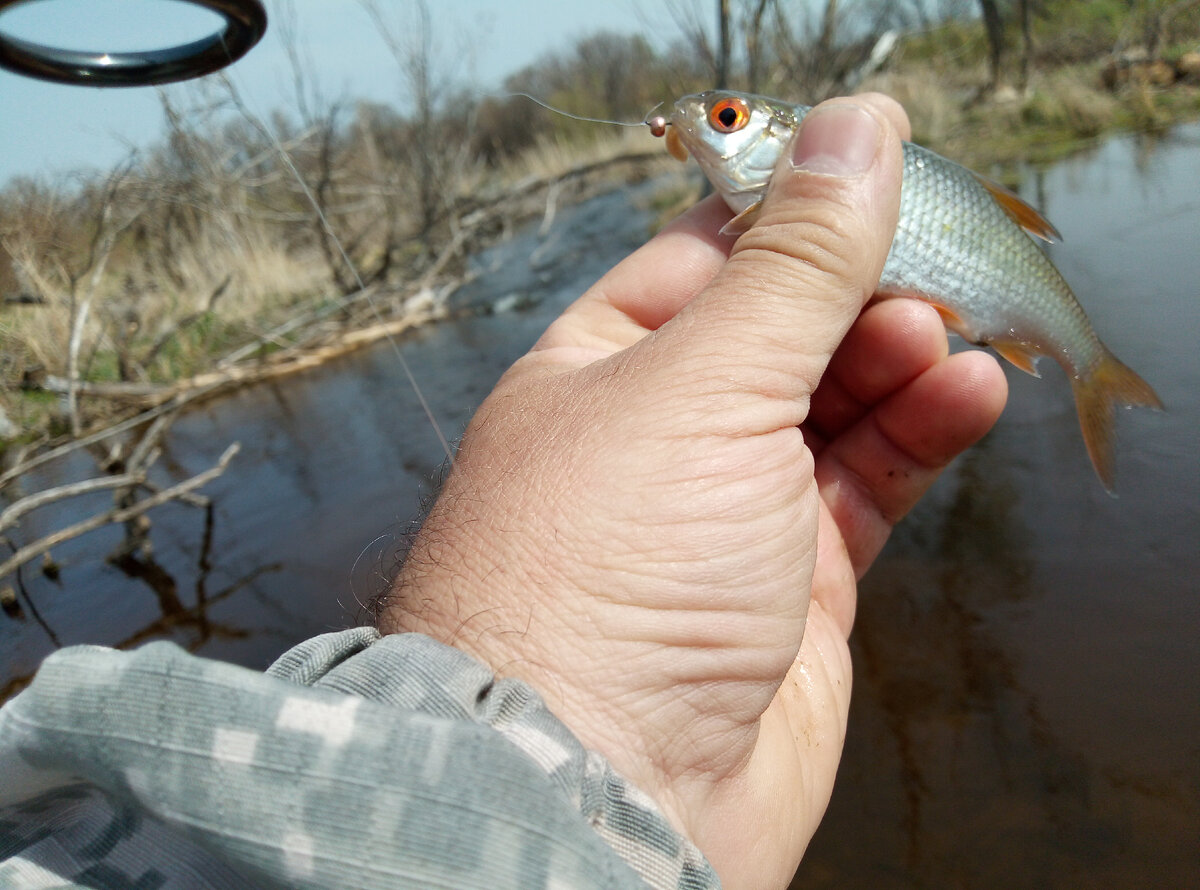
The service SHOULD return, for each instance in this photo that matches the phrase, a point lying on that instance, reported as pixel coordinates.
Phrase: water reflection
(190, 626)
(1027, 699)
(942, 674)
(954, 767)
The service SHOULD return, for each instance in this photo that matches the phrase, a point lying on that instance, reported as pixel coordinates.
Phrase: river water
(1027, 674)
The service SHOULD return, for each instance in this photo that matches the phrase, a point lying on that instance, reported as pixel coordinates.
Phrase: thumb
(796, 280)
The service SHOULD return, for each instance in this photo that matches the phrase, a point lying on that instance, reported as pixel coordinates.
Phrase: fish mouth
(684, 117)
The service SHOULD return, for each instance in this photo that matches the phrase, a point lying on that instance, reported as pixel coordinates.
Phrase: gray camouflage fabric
(355, 762)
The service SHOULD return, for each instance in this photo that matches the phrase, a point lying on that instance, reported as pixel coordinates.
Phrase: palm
(727, 691)
(658, 517)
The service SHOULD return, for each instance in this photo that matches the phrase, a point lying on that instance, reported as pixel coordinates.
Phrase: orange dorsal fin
(1019, 211)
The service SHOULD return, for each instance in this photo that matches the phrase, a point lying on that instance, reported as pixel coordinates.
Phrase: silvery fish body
(962, 243)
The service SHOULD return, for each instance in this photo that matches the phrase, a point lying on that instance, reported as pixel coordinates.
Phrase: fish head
(736, 138)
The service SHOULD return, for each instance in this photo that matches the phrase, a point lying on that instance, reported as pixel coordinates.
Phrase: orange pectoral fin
(743, 220)
(675, 145)
(1020, 354)
(950, 318)
(1019, 211)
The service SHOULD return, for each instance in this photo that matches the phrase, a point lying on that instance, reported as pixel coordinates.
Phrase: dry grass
(553, 157)
(206, 257)
(935, 108)
(1071, 101)
(136, 304)
(188, 272)
(1060, 112)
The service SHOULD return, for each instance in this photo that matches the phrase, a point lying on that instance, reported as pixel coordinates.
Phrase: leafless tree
(1159, 18)
(756, 63)
(436, 164)
(993, 25)
(723, 44)
(71, 280)
(692, 27)
(817, 53)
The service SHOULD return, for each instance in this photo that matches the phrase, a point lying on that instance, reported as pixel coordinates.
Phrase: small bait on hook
(657, 124)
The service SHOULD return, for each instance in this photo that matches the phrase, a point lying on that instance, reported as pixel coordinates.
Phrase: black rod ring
(245, 24)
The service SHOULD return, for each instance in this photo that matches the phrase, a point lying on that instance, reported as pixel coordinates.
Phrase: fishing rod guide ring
(245, 24)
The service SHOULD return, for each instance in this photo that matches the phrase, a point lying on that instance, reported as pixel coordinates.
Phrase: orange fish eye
(729, 115)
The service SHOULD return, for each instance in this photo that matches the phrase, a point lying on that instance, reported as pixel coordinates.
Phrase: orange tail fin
(1096, 397)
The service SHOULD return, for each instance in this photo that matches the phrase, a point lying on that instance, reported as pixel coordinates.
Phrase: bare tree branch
(47, 543)
(14, 511)
(116, 429)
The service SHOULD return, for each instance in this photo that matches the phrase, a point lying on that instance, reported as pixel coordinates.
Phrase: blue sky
(47, 130)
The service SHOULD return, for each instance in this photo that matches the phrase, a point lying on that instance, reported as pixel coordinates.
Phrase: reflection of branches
(177, 616)
(950, 756)
(929, 668)
(174, 615)
(136, 560)
(12, 605)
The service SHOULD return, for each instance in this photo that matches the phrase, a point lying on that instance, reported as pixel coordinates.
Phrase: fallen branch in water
(123, 514)
(108, 432)
(308, 353)
(14, 511)
(335, 327)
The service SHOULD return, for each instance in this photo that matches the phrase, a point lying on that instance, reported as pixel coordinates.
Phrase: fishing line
(227, 79)
(257, 123)
(574, 117)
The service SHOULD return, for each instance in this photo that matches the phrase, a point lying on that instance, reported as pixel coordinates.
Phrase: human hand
(658, 516)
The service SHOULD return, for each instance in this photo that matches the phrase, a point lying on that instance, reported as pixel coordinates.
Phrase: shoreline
(1062, 112)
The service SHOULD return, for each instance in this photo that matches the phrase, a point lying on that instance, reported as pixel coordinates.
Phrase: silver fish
(962, 244)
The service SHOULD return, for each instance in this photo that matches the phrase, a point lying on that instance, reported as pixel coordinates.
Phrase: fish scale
(963, 244)
(953, 239)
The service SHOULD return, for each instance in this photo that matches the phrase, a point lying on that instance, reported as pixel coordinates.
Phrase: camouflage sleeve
(355, 761)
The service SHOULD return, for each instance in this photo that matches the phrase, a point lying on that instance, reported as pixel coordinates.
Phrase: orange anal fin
(1019, 211)
(743, 220)
(1019, 355)
(675, 145)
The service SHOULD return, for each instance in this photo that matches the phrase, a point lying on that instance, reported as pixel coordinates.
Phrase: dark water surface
(1026, 710)
(1027, 671)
